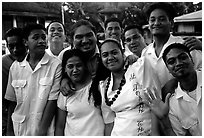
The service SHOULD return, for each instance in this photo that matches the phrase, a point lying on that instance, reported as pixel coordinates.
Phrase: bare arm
(60, 122)
(193, 43)
(161, 110)
(108, 128)
(47, 117)
(10, 131)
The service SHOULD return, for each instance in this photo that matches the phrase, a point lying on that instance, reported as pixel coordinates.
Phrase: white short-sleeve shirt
(31, 89)
(130, 116)
(158, 63)
(186, 113)
(83, 118)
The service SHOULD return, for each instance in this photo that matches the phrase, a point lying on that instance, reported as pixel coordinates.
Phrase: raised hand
(157, 106)
(193, 43)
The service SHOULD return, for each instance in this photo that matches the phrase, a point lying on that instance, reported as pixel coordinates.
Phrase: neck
(160, 40)
(83, 83)
(56, 48)
(34, 59)
(189, 83)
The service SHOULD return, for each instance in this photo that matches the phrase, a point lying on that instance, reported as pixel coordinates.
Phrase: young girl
(79, 113)
(123, 108)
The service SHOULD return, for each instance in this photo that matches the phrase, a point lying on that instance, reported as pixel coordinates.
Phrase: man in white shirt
(181, 114)
(160, 16)
(55, 38)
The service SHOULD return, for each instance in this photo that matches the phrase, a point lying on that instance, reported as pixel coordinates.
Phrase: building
(189, 25)
(18, 14)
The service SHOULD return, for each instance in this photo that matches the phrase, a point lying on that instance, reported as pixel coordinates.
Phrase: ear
(25, 43)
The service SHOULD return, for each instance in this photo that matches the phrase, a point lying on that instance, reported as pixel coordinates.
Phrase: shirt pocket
(189, 122)
(44, 87)
(19, 124)
(19, 87)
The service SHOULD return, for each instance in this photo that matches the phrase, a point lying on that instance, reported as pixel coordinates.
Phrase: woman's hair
(93, 92)
(67, 55)
(113, 41)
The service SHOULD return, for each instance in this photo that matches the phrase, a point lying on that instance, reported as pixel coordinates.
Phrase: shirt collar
(179, 93)
(44, 60)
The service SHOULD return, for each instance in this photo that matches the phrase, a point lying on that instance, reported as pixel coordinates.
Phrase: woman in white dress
(78, 113)
(123, 108)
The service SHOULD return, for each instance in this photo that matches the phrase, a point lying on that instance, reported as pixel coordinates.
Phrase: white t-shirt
(131, 118)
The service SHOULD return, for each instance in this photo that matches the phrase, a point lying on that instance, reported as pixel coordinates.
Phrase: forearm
(167, 127)
(10, 131)
(108, 129)
(47, 117)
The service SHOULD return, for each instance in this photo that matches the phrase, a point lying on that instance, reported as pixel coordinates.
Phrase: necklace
(122, 82)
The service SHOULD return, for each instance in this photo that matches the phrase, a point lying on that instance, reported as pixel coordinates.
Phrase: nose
(75, 69)
(178, 61)
(157, 21)
(14, 49)
(41, 40)
(85, 39)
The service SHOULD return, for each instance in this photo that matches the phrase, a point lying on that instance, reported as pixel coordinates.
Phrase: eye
(52, 29)
(104, 55)
(78, 36)
(128, 40)
(60, 29)
(70, 66)
(35, 37)
(170, 61)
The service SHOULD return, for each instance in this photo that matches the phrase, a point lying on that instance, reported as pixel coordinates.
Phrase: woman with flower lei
(123, 108)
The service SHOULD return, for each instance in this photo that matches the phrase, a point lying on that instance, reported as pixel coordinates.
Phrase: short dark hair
(113, 19)
(54, 22)
(167, 7)
(80, 23)
(177, 46)
(14, 32)
(30, 27)
(134, 26)
(111, 40)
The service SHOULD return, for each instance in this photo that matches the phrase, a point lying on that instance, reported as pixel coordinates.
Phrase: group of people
(120, 87)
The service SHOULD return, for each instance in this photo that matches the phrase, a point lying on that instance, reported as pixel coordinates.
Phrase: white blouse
(83, 118)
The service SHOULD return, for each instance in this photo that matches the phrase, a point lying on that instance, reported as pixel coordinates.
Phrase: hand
(193, 43)
(131, 59)
(66, 88)
(157, 106)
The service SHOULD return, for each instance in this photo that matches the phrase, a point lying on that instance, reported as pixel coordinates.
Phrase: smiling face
(179, 63)
(113, 30)
(75, 69)
(84, 39)
(159, 22)
(112, 56)
(134, 41)
(56, 32)
(36, 41)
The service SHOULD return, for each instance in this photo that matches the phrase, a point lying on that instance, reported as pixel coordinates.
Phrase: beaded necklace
(122, 82)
